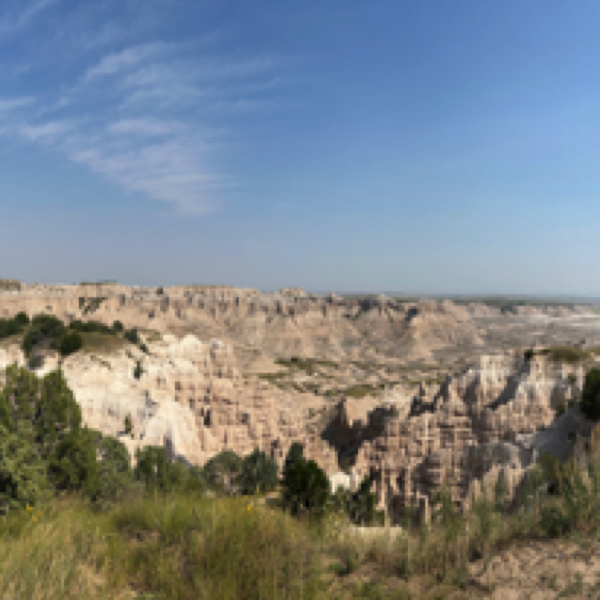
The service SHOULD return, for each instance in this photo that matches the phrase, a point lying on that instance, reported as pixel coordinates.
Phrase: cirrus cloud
(149, 115)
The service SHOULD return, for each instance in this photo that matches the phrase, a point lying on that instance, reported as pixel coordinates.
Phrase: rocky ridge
(286, 323)
(489, 420)
(494, 420)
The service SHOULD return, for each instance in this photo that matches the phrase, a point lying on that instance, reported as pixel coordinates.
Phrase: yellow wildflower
(28, 508)
(35, 519)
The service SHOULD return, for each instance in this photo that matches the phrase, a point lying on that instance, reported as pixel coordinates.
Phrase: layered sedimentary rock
(488, 422)
(190, 398)
(477, 427)
(286, 323)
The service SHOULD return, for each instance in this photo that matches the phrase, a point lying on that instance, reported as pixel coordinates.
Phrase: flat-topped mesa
(281, 324)
(472, 430)
(10, 285)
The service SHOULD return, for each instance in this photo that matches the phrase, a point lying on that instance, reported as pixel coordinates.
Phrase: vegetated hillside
(189, 544)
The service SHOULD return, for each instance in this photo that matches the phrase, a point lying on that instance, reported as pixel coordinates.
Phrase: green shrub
(90, 327)
(222, 471)
(117, 326)
(157, 473)
(360, 505)
(528, 354)
(128, 425)
(35, 362)
(22, 470)
(160, 291)
(71, 343)
(132, 335)
(590, 395)
(10, 327)
(115, 475)
(22, 318)
(138, 370)
(305, 487)
(258, 473)
(567, 354)
(195, 481)
(553, 521)
(44, 329)
(73, 466)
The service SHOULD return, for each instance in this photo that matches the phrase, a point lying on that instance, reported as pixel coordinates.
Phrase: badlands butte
(415, 393)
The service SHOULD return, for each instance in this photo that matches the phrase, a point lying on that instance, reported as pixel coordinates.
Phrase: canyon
(418, 394)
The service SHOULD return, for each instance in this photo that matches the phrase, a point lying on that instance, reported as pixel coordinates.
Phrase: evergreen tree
(19, 396)
(114, 467)
(154, 469)
(295, 454)
(590, 396)
(258, 473)
(305, 487)
(73, 465)
(361, 505)
(223, 470)
(23, 478)
(139, 370)
(128, 425)
(57, 412)
(70, 343)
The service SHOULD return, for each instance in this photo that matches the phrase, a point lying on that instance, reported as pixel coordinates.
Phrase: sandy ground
(540, 571)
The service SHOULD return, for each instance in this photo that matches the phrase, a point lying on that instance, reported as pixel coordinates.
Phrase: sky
(442, 146)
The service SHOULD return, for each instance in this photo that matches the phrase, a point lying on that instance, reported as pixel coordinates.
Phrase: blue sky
(444, 146)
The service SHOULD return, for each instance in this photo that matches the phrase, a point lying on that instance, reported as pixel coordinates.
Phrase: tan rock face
(197, 395)
(190, 398)
(478, 427)
(286, 323)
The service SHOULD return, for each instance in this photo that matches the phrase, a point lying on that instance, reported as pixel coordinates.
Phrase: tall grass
(164, 547)
(226, 548)
(51, 553)
(184, 546)
(445, 549)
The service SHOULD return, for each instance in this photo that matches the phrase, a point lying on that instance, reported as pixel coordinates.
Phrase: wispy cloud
(145, 126)
(150, 116)
(17, 19)
(10, 104)
(120, 61)
(170, 171)
(47, 132)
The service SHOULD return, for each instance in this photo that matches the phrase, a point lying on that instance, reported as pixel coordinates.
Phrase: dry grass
(182, 547)
(13, 340)
(51, 554)
(164, 547)
(102, 343)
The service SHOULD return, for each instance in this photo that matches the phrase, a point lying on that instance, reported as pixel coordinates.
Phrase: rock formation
(190, 398)
(198, 394)
(487, 423)
(287, 323)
